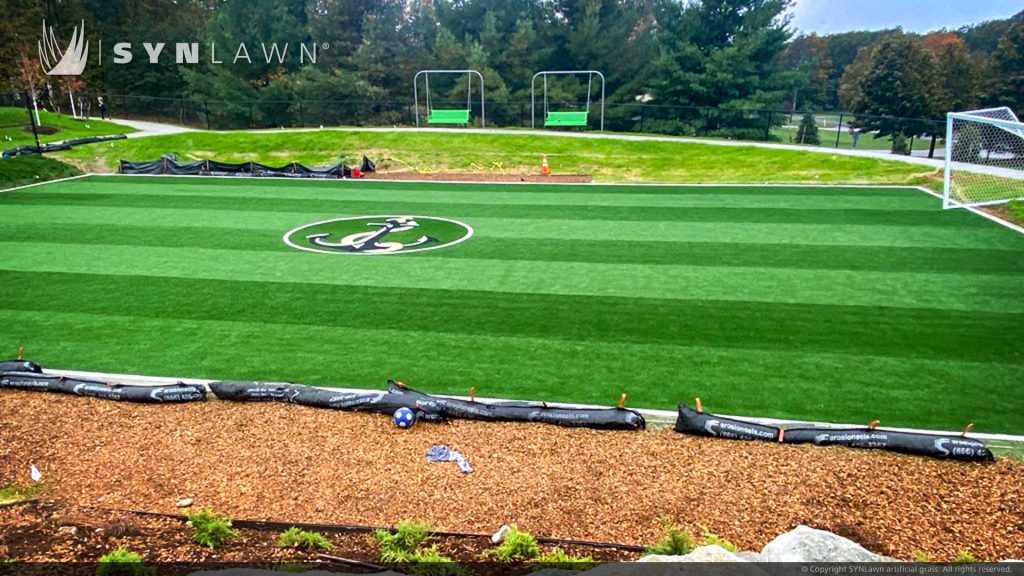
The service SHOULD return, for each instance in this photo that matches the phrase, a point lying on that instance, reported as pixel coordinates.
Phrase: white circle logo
(372, 235)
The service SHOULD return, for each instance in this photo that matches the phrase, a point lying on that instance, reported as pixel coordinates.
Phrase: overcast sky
(826, 16)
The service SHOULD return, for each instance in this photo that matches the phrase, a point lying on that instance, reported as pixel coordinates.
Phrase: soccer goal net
(984, 158)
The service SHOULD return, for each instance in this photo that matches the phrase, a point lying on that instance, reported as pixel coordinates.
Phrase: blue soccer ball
(404, 418)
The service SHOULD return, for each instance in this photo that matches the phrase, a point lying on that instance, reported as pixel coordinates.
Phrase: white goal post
(984, 158)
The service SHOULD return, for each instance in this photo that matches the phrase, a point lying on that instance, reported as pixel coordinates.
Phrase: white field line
(46, 182)
(660, 415)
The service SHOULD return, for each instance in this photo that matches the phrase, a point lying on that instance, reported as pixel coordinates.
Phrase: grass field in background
(606, 159)
(838, 304)
(14, 120)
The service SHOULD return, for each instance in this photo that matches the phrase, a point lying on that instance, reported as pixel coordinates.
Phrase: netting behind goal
(984, 158)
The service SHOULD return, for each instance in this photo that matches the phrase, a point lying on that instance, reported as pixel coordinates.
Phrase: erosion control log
(173, 393)
(696, 423)
(20, 366)
(430, 408)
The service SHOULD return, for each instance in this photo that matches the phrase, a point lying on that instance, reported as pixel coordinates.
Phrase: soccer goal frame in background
(984, 158)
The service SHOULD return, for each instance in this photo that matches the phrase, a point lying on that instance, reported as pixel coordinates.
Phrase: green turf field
(839, 304)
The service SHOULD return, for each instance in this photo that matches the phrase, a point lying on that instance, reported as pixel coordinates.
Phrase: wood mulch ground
(297, 464)
(481, 177)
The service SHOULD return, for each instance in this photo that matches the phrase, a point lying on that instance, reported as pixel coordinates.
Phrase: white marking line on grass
(979, 212)
(666, 415)
(47, 182)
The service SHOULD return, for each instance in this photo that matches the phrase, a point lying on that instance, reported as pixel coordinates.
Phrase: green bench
(566, 119)
(448, 117)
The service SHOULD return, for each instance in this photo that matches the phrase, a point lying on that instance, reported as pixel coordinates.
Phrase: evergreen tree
(807, 133)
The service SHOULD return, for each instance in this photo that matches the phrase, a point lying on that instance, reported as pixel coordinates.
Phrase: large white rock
(804, 544)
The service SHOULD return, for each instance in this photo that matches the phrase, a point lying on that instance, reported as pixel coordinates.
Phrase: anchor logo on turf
(378, 235)
(371, 242)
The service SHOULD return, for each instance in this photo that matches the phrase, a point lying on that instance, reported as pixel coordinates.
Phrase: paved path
(150, 128)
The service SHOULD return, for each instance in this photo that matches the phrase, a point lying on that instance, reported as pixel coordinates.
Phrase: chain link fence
(832, 129)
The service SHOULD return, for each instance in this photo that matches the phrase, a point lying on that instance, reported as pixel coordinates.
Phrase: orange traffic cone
(544, 166)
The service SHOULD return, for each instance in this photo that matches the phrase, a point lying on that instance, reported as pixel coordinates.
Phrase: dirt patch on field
(297, 464)
(481, 177)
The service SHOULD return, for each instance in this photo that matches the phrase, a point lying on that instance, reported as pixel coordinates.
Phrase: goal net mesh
(984, 158)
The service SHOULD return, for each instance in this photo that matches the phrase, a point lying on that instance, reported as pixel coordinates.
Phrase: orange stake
(967, 429)
(472, 393)
(622, 400)
(782, 434)
(873, 424)
(700, 410)
(21, 352)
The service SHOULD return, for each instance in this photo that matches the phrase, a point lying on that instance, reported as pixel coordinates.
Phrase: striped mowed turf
(832, 304)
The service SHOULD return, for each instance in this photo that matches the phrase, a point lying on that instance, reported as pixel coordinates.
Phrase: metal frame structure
(545, 74)
(469, 91)
(1014, 127)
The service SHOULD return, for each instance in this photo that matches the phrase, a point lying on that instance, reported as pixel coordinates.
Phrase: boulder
(804, 544)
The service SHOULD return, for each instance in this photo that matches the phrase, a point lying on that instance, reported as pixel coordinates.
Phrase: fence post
(206, 107)
(768, 128)
(250, 115)
(302, 117)
(30, 109)
(642, 109)
(931, 148)
(839, 129)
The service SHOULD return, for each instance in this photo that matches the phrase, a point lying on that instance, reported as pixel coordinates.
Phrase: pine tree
(807, 133)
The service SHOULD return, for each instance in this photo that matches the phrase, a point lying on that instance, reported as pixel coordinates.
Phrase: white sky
(827, 16)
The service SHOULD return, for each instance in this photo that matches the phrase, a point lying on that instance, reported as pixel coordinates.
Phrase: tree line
(734, 54)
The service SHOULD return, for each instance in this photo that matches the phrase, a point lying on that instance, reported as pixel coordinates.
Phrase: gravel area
(297, 464)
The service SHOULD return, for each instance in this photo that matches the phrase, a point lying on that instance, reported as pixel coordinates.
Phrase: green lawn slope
(15, 129)
(607, 160)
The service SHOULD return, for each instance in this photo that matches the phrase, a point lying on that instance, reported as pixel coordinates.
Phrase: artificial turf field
(830, 304)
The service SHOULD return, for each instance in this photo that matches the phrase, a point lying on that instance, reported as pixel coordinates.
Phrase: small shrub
(559, 560)
(900, 145)
(807, 132)
(403, 543)
(122, 562)
(675, 541)
(518, 545)
(209, 529)
(964, 557)
(430, 562)
(296, 538)
(920, 556)
(402, 547)
(712, 539)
